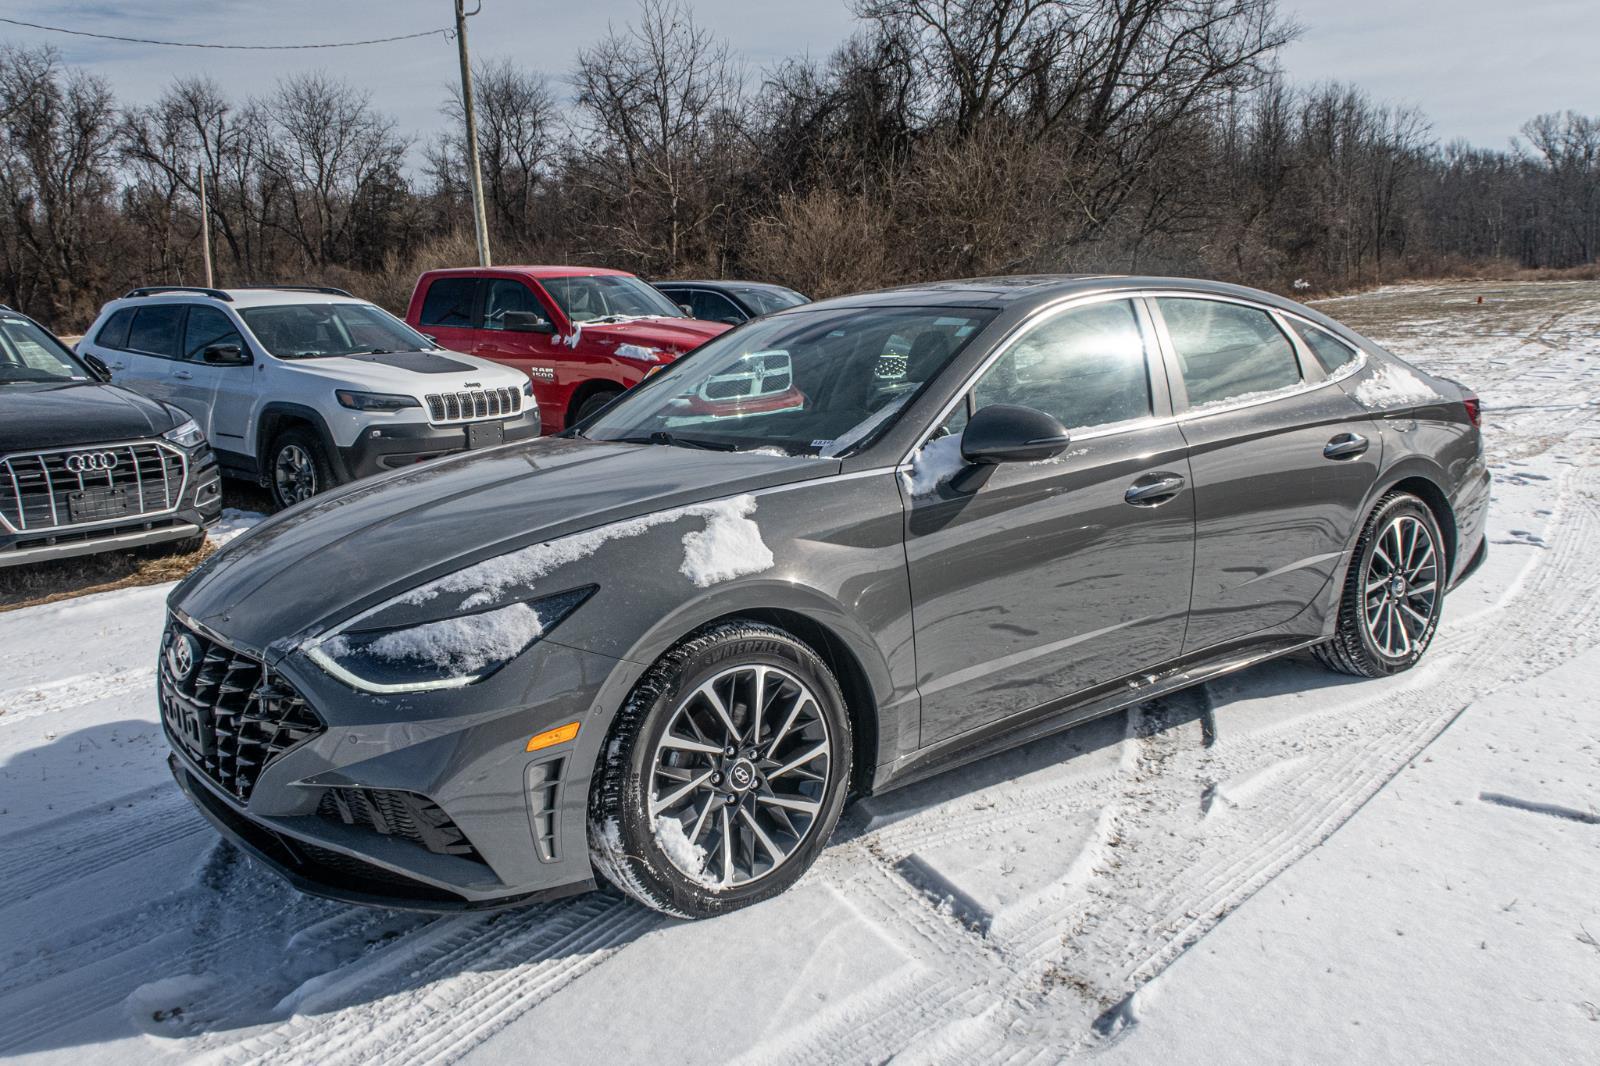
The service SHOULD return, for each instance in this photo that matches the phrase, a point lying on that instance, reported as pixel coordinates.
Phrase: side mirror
(1003, 433)
(225, 355)
(97, 367)
(526, 322)
(686, 309)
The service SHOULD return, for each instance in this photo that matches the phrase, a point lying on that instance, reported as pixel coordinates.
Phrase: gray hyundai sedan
(835, 550)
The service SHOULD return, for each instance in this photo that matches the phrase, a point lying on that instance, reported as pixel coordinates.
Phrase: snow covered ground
(1286, 865)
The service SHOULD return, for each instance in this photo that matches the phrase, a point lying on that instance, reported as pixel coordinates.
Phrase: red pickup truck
(581, 334)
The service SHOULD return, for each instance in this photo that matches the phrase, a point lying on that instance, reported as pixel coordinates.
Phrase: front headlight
(375, 401)
(187, 435)
(443, 653)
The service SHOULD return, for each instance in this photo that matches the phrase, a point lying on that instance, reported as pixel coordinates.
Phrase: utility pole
(480, 217)
(205, 228)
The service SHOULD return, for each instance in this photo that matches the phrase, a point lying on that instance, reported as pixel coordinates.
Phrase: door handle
(1154, 489)
(182, 375)
(1345, 446)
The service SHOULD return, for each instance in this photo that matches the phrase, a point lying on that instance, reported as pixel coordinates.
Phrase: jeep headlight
(440, 653)
(186, 435)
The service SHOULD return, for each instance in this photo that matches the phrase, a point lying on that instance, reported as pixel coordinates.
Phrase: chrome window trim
(1010, 338)
(177, 500)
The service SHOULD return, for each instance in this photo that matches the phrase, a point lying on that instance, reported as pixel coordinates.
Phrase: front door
(220, 398)
(1049, 578)
(1282, 460)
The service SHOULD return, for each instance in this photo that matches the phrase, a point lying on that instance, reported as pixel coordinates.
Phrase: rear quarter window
(114, 334)
(1330, 351)
(449, 302)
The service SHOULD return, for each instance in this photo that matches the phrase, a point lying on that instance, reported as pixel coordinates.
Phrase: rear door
(1282, 462)
(1050, 578)
(449, 312)
(151, 354)
(226, 394)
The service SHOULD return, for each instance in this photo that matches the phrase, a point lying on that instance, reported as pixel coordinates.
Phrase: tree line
(945, 138)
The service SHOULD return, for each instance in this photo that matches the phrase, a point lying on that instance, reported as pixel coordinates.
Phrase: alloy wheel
(295, 474)
(1400, 593)
(742, 769)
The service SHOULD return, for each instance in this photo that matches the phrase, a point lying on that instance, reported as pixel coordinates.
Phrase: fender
(1412, 466)
(305, 414)
(897, 707)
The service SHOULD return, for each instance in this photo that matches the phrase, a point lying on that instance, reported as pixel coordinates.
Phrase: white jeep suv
(300, 388)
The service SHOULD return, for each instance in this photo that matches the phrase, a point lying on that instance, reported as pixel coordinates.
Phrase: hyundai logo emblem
(88, 462)
(180, 655)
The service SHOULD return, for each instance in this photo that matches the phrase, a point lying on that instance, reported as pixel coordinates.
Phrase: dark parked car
(732, 302)
(664, 649)
(86, 466)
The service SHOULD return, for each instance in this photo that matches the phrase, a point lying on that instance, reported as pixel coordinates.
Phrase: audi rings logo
(89, 462)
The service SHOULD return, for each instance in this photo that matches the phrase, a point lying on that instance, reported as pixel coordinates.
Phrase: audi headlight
(187, 435)
(441, 653)
(375, 401)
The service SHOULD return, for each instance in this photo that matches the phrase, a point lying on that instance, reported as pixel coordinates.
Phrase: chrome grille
(67, 487)
(474, 404)
(226, 711)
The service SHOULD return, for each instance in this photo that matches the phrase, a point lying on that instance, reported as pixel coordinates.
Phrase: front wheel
(1393, 594)
(297, 467)
(724, 774)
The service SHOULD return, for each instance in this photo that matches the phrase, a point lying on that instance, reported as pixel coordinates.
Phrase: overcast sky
(1476, 68)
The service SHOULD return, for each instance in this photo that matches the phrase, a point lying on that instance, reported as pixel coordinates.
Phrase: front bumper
(514, 822)
(198, 508)
(390, 447)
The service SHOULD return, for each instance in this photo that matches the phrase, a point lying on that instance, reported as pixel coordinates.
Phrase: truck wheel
(297, 467)
(594, 402)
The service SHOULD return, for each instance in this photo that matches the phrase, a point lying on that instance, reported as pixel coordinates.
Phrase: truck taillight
(1474, 410)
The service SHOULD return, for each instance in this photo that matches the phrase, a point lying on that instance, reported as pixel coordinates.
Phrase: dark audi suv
(86, 466)
(664, 648)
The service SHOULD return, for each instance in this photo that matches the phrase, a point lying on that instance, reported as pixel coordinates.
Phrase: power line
(442, 31)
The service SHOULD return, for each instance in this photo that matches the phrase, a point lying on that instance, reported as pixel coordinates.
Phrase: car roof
(1027, 289)
(725, 285)
(241, 297)
(544, 271)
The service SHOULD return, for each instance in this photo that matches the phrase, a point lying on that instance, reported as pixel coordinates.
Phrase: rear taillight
(1474, 410)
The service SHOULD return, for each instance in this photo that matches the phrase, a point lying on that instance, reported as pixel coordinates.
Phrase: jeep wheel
(297, 467)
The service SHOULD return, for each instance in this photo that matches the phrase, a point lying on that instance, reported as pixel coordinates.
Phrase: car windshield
(608, 298)
(29, 354)
(805, 383)
(306, 331)
(767, 300)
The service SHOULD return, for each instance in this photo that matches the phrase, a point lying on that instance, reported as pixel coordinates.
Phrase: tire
(594, 402)
(294, 456)
(730, 847)
(1385, 625)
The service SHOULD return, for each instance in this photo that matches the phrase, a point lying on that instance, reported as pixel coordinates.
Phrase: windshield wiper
(670, 440)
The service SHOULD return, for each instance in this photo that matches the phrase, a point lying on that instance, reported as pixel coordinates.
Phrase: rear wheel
(724, 774)
(297, 467)
(1393, 594)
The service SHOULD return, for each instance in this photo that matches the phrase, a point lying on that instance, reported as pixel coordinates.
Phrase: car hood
(310, 567)
(415, 372)
(676, 335)
(79, 412)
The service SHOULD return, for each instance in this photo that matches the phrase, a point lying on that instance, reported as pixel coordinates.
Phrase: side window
(1084, 366)
(507, 295)
(714, 307)
(155, 330)
(207, 327)
(1330, 351)
(449, 302)
(1227, 350)
(114, 334)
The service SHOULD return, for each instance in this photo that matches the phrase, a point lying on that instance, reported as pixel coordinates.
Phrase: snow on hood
(728, 546)
(676, 335)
